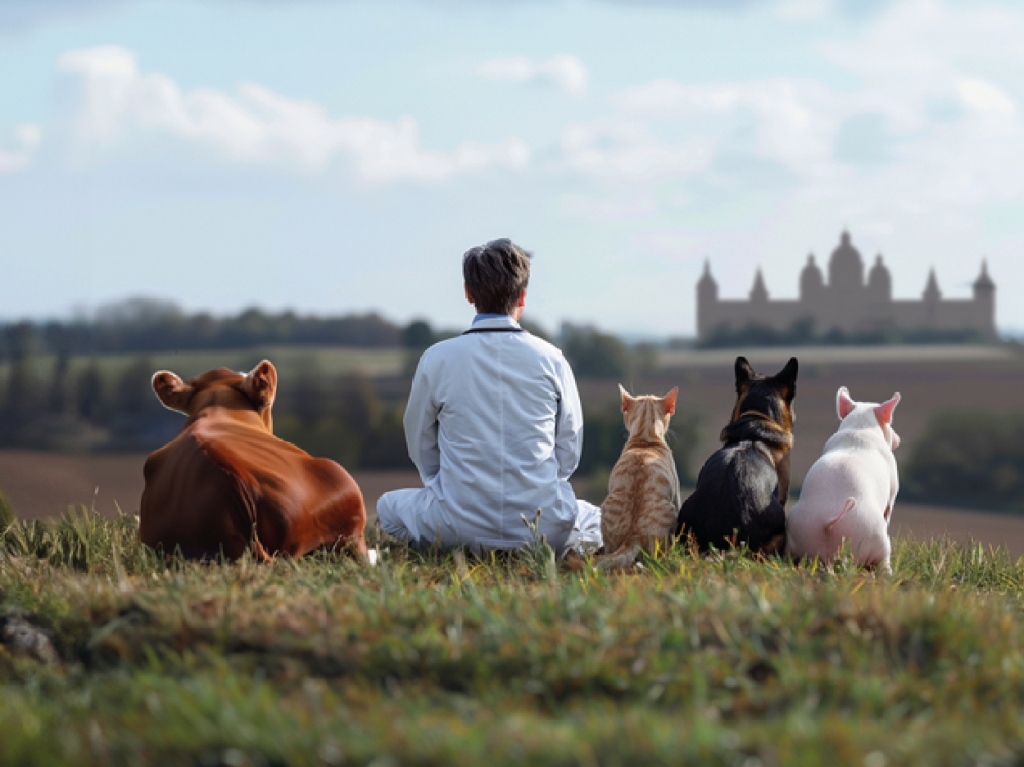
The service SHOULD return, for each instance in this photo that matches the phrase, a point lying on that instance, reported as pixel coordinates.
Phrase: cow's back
(222, 484)
(190, 502)
(298, 503)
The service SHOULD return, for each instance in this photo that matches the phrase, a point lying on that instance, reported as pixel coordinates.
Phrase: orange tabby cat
(643, 489)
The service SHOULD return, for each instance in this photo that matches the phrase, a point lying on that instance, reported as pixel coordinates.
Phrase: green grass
(443, 660)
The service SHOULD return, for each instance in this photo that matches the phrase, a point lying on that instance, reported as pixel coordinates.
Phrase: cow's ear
(626, 399)
(844, 403)
(884, 411)
(668, 402)
(260, 385)
(173, 393)
(744, 374)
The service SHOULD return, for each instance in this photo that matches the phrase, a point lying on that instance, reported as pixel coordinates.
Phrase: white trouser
(413, 515)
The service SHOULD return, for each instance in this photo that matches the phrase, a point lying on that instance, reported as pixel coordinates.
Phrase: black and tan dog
(743, 487)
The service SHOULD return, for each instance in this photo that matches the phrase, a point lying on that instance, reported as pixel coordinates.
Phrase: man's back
(495, 428)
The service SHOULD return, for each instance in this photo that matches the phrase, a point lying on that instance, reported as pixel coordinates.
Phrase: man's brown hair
(496, 274)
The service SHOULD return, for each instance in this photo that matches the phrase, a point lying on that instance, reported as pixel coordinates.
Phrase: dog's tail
(850, 503)
(620, 559)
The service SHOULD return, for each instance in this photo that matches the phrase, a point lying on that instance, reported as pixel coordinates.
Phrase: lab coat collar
(504, 321)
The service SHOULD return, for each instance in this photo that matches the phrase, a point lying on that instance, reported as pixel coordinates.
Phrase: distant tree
(593, 354)
(534, 329)
(147, 325)
(89, 394)
(59, 395)
(23, 401)
(418, 335)
(802, 333)
(973, 459)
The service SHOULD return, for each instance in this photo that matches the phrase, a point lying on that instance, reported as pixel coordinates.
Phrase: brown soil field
(41, 485)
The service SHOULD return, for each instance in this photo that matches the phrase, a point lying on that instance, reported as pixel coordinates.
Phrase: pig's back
(834, 479)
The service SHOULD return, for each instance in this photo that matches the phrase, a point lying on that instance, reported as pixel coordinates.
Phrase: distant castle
(848, 305)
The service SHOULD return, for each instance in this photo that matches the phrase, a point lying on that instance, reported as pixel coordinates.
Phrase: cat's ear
(626, 399)
(744, 374)
(668, 402)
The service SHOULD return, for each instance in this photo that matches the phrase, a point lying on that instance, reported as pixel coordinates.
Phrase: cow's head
(223, 388)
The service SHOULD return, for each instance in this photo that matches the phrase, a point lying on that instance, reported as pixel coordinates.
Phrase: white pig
(849, 492)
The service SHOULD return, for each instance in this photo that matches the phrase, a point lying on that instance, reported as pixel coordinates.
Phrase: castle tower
(707, 297)
(759, 293)
(845, 269)
(985, 299)
(879, 282)
(932, 297)
(812, 281)
(932, 294)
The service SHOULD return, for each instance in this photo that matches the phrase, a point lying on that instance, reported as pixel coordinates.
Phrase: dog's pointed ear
(173, 393)
(844, 403)
(786, 379)
(788, 374)
(668, 402)
(627, 400)
(744, 373)
(260, 385)
(884, 411)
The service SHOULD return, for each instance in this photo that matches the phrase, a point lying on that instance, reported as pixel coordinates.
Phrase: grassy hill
(446, 661)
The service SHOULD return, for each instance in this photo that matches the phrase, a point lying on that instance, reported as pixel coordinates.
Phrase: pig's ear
(173, 393)
(883, 412)
(844, 404)
(626, 399)
(668, 402)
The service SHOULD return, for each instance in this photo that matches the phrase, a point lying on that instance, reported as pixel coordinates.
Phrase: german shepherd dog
(743, 487)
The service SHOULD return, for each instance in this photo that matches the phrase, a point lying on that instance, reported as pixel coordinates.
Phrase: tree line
(143, 325)
(803, 332)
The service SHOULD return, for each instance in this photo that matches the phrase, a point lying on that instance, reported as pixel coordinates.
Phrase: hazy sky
(340, 156)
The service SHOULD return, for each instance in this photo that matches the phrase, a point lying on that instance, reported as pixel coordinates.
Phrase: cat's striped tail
(622, 558)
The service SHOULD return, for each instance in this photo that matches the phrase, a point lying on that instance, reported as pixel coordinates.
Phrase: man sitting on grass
(494, 426)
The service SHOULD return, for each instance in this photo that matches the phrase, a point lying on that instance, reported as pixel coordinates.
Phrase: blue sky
(340, 156)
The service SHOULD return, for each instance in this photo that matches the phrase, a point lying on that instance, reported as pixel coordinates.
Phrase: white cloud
(26, 139)
(628, 149)
(565, 71)
(793, 121)
(983, 96)
(114, 105)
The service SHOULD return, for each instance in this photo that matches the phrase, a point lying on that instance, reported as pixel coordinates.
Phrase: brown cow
(226, 483)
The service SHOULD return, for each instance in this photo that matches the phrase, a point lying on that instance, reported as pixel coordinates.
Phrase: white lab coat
(495, 427)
